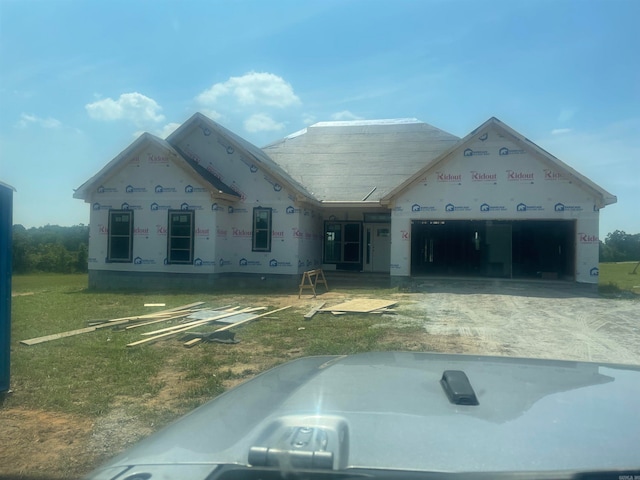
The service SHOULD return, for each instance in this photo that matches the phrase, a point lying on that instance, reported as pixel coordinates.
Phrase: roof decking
(360, 160)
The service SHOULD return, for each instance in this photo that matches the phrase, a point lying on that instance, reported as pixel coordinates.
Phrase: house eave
(350, 204)
(224, 196)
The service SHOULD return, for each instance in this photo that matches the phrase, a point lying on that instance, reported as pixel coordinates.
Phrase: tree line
(620, 246)
(50, 248)
(65, 249)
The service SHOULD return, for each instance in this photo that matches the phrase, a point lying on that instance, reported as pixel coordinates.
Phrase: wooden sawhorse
(311, 279)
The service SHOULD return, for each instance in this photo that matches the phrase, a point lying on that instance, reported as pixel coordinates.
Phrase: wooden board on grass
(313, 311)
(361, 305)
(55, 336)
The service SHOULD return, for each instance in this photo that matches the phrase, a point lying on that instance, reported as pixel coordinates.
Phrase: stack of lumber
(215, 317)
(188, 317)
(133, 321)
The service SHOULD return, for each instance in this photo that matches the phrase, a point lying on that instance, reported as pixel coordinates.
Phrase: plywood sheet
(362, 305)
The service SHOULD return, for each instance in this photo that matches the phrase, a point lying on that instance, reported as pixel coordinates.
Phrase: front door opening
(343, 245)
(377, 247)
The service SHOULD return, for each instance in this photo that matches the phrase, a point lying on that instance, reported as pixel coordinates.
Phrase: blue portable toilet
(6, 226)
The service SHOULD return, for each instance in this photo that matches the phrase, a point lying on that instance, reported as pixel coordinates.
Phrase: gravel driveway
(531, 319)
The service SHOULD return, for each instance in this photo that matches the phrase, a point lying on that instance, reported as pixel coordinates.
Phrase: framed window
(261, 236)
(120, 243)
(180, 236)
(342, 242)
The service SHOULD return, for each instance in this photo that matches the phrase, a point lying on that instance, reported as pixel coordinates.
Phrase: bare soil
(530, 319)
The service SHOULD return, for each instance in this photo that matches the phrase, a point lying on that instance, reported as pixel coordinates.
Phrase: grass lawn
(616, 278)
(82, 399)
(95, 378)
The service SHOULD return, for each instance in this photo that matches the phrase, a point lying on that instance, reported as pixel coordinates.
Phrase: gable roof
(358, 161)
(604, 197)
(218, 188)
(198, 120)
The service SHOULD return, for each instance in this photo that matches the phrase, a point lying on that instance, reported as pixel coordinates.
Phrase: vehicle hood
(390, 411)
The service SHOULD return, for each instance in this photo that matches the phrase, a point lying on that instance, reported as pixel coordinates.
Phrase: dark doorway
(343, 245)
(523, 249)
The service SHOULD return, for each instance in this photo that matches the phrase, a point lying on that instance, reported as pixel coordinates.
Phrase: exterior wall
(309, 237)
(587, 249)
(495, 179)
(152, 182)
(295, 229)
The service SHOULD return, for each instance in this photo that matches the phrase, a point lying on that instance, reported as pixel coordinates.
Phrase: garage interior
(490, 248)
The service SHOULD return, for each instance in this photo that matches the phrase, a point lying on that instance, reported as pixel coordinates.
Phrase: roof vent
(458, 388)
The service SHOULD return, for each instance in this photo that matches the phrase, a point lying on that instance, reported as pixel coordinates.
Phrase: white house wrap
(393, 196)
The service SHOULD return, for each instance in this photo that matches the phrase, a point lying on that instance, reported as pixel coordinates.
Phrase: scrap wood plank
(107, 324)
(204, 314)
(129, 319)
(192, 342)
(362, 305)
(55, 336)
(161, 312)
(151, 322)
(202, 321)
(188, 315)
(70, 333)
(384, 311)
(197, 324)
(135, 318)
(227, 327)
(313, 311)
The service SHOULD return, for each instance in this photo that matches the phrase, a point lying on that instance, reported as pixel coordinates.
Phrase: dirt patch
(43, 444)
(555, 321)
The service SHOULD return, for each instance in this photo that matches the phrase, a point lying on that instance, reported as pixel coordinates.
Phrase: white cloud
(26, 119)
(560, 131)
(134, 107)
(163, 132)
(168, 129)
(253, 88)
(308, 119)
(212, 114)
(262, 123)
(345, 115)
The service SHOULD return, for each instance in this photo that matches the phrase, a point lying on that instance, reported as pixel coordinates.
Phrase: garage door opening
(505, 249)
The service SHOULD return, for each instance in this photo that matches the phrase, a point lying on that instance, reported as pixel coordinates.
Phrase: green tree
(620, 246)
(50, 249)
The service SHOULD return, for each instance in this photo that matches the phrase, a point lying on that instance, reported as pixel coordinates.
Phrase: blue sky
(80, 79)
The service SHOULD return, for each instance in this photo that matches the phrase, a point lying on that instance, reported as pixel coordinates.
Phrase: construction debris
(313, 311)
(161, 316)
(238, 317)
(194, 338)
(166, 332)
(55, 336)
(191, 316)
(363, 305)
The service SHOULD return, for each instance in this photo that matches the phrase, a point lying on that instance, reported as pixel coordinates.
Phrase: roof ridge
(363, 122)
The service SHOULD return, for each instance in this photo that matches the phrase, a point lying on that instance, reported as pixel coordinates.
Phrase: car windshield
(246, 206)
